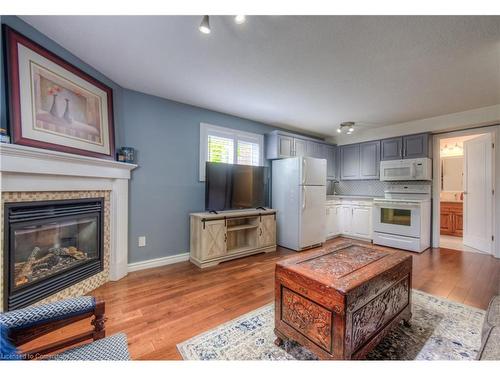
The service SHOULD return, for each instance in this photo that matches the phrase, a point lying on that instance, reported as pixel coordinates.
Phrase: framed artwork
(54, 105)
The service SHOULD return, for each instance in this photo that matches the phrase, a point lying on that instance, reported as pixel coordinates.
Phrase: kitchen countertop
(341, 196)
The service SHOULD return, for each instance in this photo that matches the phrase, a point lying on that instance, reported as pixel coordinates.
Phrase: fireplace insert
(50, 246)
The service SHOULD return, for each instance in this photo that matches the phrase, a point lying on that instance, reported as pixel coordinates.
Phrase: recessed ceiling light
(205, 25)
(240, 19)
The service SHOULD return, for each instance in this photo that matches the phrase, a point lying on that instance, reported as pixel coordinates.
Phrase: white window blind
(220, 150)
(224, 145)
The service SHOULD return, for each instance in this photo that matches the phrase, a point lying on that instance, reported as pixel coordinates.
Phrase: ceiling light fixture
(240, 19)
(348, 125)
(205, 25)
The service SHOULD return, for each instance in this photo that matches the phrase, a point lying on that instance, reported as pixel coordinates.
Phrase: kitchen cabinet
(451, 218)
(333, 220)
(349, 162)
(315, 150)
(361, 221)
(330, 154)
(299, 147)
(416, 146)
(369, 159)
(407, 147)
(360, 161)
(392, 148)
(349, 218)
(280, 145)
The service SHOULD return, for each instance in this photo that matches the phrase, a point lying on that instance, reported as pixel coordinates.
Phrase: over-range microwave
(406, 169)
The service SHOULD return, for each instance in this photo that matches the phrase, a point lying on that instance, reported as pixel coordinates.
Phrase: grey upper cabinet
(299, 147)
(285, 146)
(360, 161)
(330, 154)
(349, 162)
(315, 150)
(407, 147)
(416, 146)
(369, 160)
(278, 146)
(392, 148)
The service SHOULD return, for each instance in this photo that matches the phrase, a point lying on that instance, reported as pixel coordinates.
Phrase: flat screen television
(232, 186)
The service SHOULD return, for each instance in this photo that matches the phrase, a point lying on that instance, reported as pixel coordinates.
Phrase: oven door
(397, 218)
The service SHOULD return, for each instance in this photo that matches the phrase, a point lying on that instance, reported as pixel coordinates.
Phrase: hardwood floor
(158, 308)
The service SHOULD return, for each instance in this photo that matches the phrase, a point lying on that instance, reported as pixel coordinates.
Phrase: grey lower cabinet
(407, 147)
(360, 161)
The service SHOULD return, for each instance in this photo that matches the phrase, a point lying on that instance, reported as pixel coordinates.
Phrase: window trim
(235, 135)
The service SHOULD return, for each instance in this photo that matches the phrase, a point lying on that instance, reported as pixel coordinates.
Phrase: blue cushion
(30, 316)
(112, 348)
(7, 350)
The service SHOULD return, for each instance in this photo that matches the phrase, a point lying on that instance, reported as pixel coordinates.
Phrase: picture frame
(55, 105)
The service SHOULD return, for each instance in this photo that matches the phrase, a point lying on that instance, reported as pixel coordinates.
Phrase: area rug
(440, 330)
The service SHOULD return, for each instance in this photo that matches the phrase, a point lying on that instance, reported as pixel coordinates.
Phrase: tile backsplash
(374, 188)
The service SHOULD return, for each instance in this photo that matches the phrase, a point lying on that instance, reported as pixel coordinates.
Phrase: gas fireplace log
(22, 278)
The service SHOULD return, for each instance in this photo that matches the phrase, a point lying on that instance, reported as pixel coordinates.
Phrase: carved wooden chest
(340, 301)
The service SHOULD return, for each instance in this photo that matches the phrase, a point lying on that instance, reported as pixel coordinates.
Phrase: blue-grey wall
(33, 34)
(166, 188)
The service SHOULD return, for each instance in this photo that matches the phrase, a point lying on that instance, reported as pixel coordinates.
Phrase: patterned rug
(440, 330)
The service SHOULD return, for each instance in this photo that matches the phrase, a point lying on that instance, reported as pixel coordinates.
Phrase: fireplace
(49, 246)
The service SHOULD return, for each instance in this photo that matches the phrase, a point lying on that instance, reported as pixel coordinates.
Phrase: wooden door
(478, 194)
(213, 238)
(446, 223)
(458, 224)
(267, 231)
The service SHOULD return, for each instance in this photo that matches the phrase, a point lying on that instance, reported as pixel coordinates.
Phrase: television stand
(217, 237)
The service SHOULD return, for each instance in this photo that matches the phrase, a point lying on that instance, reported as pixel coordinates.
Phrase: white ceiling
(298, 72)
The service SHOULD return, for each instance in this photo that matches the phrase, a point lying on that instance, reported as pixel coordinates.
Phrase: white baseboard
(157, 262)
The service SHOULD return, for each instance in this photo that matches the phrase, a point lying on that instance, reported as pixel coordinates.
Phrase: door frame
(436, 182)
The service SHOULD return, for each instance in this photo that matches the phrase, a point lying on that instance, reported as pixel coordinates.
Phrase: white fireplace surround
(24, 169)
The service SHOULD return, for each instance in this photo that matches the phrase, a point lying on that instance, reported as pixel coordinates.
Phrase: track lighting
(205, 25)
(240, 19)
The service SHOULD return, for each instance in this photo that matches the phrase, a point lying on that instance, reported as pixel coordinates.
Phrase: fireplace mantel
(26, 169)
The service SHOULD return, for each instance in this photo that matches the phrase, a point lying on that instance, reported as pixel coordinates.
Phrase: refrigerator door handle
(303, 198)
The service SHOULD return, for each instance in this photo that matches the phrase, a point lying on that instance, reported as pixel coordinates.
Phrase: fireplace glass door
(45, 249)
(50, 246)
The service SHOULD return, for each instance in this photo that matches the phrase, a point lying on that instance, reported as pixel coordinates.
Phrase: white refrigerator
(299, 194)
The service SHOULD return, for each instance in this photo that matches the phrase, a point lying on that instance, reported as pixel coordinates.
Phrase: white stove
(402, 219)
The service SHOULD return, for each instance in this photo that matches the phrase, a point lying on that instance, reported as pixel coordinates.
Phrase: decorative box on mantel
(45, 180)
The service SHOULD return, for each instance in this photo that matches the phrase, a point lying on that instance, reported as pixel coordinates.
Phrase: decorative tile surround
(83, 286)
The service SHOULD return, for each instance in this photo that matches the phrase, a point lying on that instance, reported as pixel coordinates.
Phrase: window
(224, 145)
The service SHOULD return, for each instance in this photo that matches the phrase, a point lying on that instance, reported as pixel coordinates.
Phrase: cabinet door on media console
(267, 231)
(213, 238)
